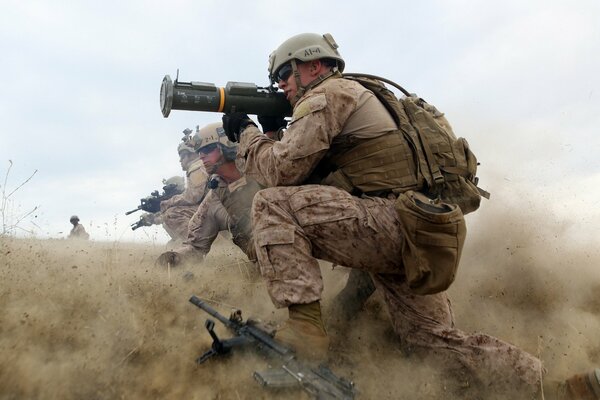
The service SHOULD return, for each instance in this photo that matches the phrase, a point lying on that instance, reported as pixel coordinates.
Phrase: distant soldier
(78, 231)
(177, 211)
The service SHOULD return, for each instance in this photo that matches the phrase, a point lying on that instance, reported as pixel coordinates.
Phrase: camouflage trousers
(210, 218)
(176, 219)
(295, 226)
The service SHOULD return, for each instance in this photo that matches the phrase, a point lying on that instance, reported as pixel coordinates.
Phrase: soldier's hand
(147, 219)
(271, 124)
(167, 258)
(234, 123)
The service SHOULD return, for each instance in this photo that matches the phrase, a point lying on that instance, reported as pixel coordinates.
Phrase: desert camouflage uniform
(78, 232)
(226, 207)
(296, 225)
(177, 211)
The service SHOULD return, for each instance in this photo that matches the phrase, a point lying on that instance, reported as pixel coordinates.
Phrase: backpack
(445, 163)
(431, 215)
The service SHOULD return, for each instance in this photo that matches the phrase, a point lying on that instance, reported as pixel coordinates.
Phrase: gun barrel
(201, 304)
(234, 97)
(134, 210)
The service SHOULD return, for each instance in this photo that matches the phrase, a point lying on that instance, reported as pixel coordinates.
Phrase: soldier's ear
(314, 65)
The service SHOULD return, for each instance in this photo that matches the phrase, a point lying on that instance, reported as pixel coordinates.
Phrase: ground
(97, 320)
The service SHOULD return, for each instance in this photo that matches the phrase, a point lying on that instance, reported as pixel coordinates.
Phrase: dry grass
(86, 320)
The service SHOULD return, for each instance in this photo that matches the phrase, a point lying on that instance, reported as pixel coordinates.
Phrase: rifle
(142, 222)
(151, 203)
(320, 382)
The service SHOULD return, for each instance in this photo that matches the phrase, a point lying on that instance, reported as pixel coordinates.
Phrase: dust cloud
(100, 320)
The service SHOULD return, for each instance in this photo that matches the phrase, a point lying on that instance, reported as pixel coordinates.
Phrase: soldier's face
(211, 159)
(185, 159)
(290, 86)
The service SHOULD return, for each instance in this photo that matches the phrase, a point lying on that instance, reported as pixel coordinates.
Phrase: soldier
(174, 185)
(338, 131)
(177, 211)
(78, 231)
(227, 205)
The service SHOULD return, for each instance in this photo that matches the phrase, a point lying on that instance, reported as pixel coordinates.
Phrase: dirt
(99, 320)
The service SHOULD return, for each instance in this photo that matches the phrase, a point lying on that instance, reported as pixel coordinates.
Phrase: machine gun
(234, 97)
(151, 203)
(320, 382)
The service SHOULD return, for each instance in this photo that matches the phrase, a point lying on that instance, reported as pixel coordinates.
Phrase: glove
(271, 124)
(147, 219)
(234, 123)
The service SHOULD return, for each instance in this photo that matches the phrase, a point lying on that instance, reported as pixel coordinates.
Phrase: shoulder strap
(379, 78)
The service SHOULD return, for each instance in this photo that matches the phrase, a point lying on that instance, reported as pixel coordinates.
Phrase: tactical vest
(423, 154)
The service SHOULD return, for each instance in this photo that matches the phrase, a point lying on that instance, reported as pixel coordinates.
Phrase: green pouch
(434, 235)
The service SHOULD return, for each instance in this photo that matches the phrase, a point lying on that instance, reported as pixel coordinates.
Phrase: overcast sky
(80, 95)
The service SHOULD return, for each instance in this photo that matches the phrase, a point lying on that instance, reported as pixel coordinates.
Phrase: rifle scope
(234, 97)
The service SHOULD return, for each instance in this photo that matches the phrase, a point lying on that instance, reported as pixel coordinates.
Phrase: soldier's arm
(166, 204)
(196, 184)
(315, 123)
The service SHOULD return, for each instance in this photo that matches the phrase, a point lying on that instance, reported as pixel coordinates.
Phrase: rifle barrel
(201, 304)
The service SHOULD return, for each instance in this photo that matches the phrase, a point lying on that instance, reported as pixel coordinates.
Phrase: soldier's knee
(265, 199)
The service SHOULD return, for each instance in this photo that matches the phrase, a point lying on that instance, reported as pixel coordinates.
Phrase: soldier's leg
(176, 220)
(425, 326)
(203, 227)
(293, 226)
(210, 218)
(351, 299)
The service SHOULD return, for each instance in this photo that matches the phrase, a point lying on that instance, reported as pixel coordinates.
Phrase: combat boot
(185, 254)
(578, 387)
(352, 298)
(304, 331)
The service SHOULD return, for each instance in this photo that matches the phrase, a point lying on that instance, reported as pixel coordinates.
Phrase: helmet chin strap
(303, 89)
(300, 89)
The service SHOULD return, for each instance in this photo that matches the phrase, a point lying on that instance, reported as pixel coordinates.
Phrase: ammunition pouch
(434, 235)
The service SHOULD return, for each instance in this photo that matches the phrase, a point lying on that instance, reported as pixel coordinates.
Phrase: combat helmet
(177, 181)
(74, 218)
(305, 47)
(185, 146)
(213, 134)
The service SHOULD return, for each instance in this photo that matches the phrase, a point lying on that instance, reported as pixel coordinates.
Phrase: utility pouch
(434, 235)
(339, 180)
